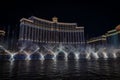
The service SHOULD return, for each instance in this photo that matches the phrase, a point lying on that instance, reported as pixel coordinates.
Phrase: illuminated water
(65, 52)
(60, 70)
(60, 63)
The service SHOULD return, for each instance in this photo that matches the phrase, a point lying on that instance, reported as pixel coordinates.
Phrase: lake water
(60, 70)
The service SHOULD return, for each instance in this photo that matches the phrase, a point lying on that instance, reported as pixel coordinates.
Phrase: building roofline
(62, 23)
(111, 30)
(79, 27)
(24, 19)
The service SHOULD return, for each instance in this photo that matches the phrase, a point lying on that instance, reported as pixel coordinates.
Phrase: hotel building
(111, 38)
(39, 30)
(101, 40)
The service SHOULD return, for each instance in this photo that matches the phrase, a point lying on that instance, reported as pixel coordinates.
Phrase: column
(60, 36)
(57, 36)
(83, 37)
(40, 39)
(50, 36)
(80, 37)
(53, 36)
(68, 36)
(73, 37)
(46, 35)
(76, 36)
(35, 34)
(25, 32)
(65, 35)
(32, 33)
(22, 32)
(41, 35)
(38, 34)
(41, 30)
(29, 28)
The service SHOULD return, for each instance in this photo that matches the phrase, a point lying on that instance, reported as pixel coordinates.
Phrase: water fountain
(50, 54)
(6, 55)
(59, 51)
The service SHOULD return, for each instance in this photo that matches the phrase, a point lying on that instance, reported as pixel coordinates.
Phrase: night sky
(97, 17)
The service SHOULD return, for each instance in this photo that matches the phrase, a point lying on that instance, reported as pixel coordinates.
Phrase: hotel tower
(42, 31)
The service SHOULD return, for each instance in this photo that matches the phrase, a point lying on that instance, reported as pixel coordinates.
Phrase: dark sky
(97, 17)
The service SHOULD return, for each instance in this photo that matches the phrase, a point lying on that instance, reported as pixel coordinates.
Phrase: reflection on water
(60, 70)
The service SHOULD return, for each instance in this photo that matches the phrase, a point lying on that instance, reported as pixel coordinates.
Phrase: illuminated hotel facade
(111, 38)
(101, 40)
(39, 30)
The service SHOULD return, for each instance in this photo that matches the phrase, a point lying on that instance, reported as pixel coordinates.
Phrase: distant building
(101, 40)
(113, 37)
(39, 30)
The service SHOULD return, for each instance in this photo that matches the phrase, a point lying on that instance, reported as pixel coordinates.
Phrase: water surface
(60, 70)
